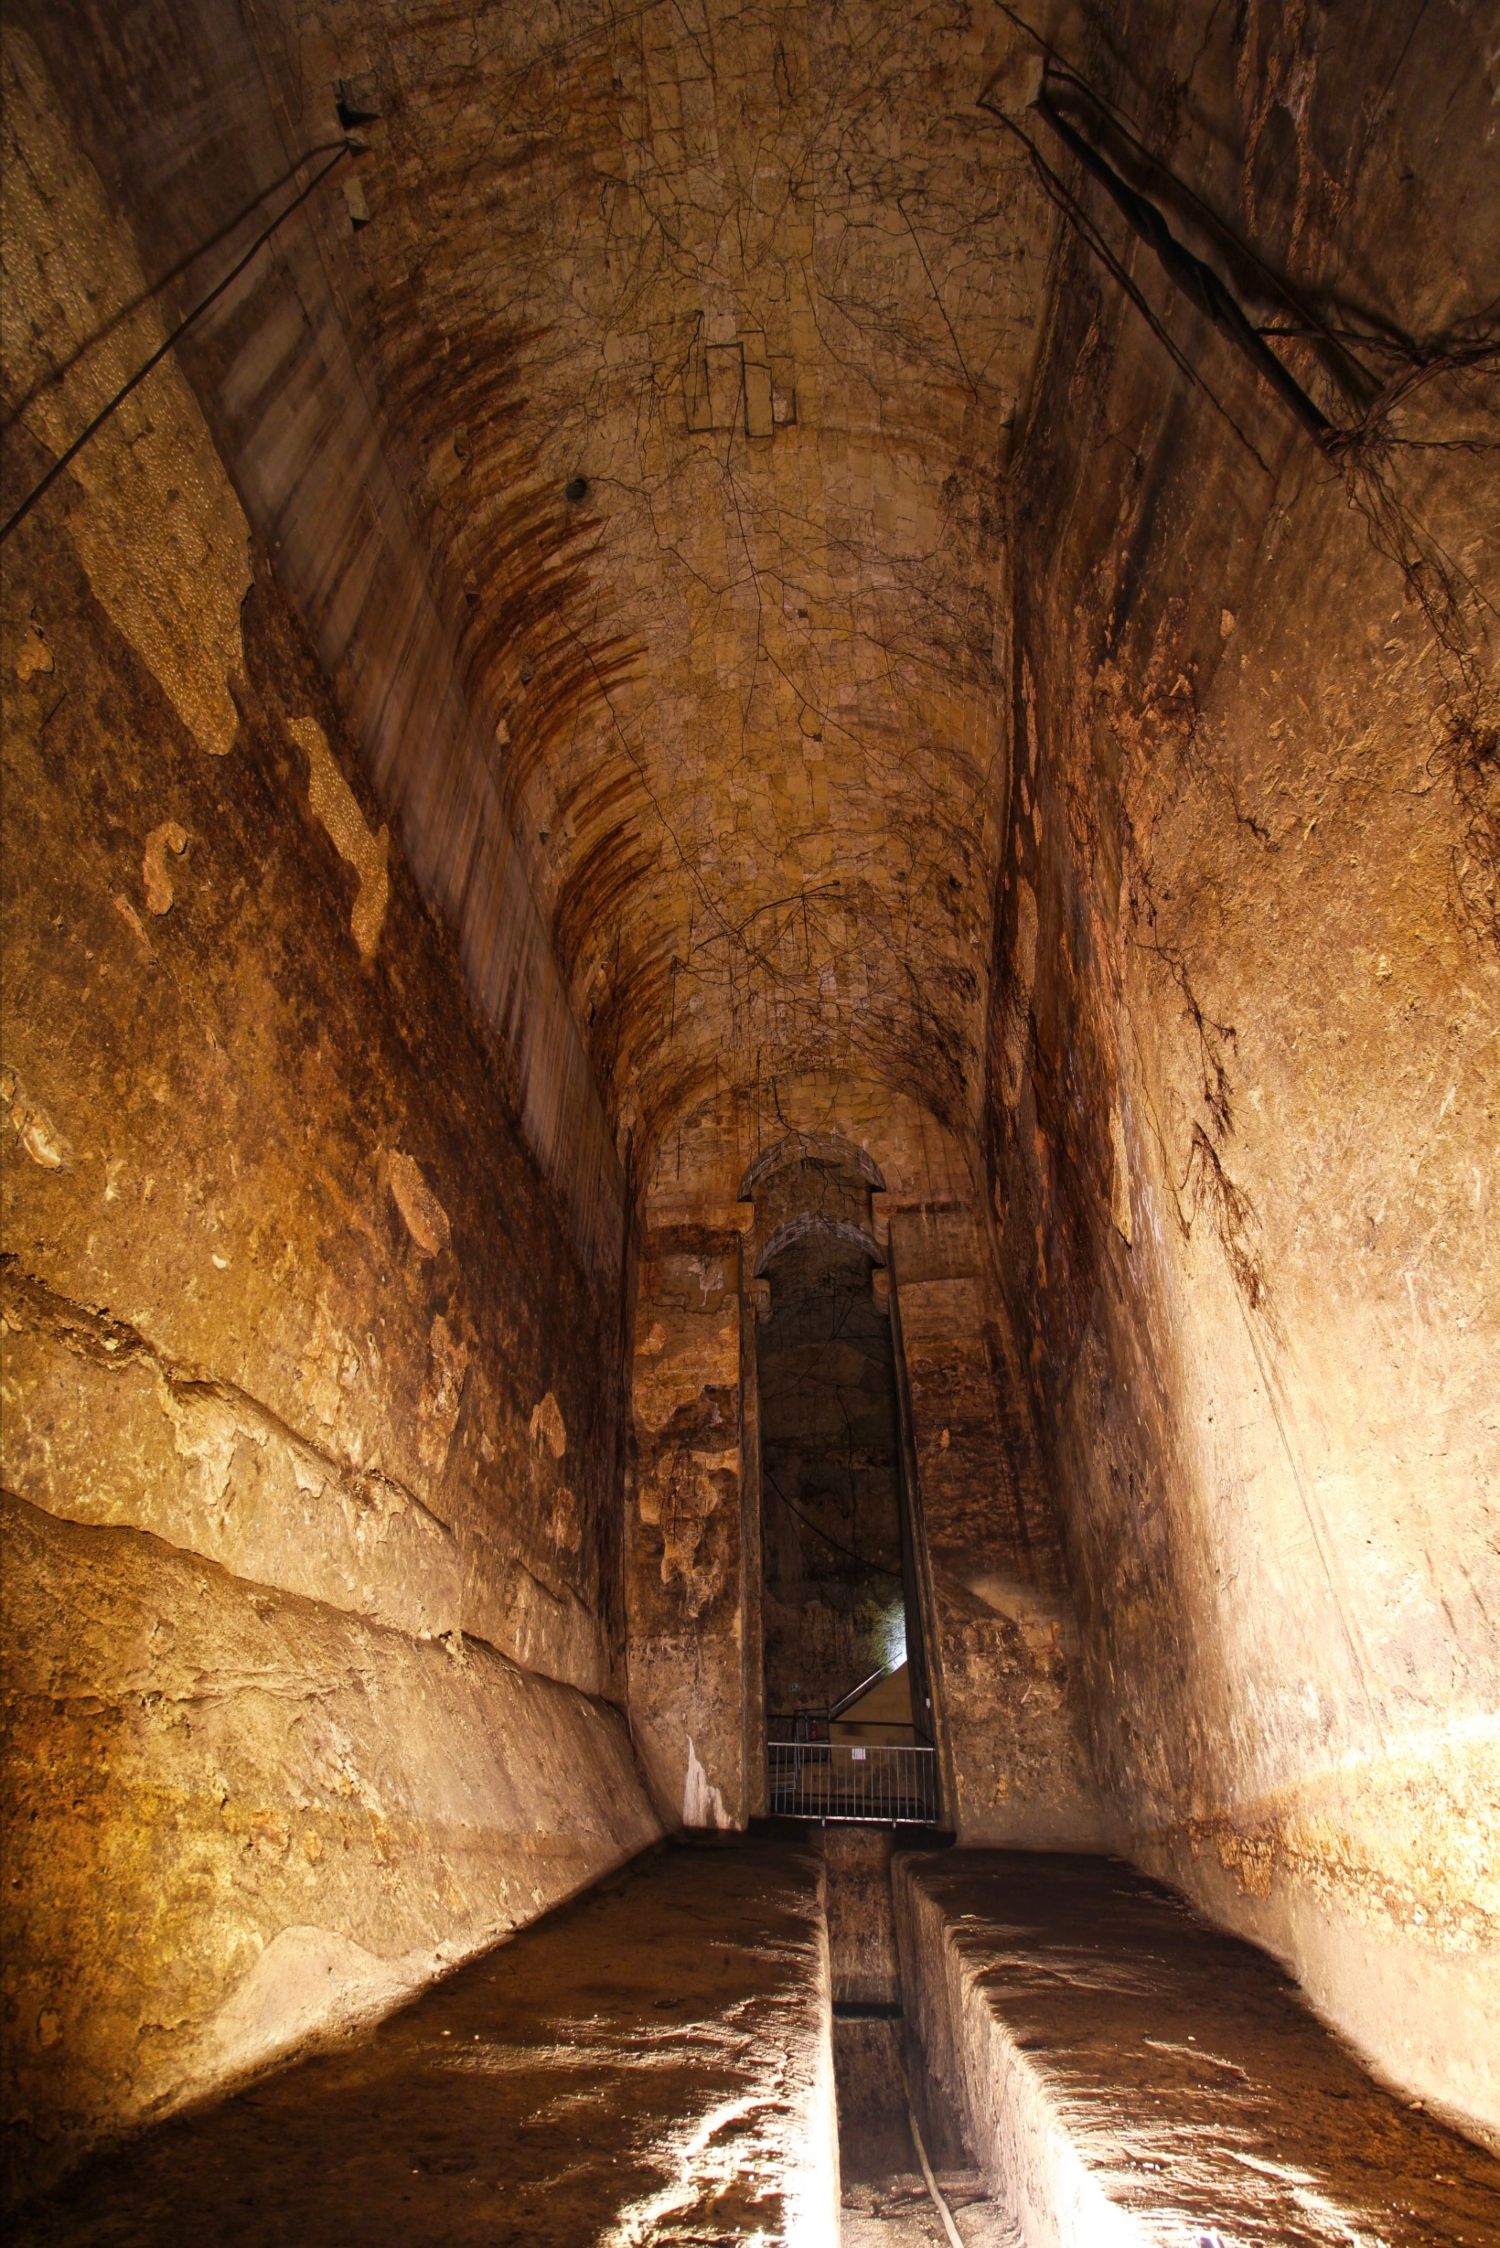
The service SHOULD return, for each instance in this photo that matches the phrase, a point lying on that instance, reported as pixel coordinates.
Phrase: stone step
(1127, 2075)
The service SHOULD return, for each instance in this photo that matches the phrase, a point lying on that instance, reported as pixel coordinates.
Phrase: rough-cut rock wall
(1003, 1642)
(312, 1401)
(691, 1536)
(239, 1818)
(1244, 1061)
(190, 146)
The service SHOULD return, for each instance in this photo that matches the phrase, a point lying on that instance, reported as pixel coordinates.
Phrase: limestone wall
(1003, 1640)
(239, 1819)
(692, 1564)
(1244, 1059)
(313, 1381)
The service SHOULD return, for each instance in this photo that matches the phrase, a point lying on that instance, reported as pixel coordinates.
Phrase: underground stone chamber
(749, 1084)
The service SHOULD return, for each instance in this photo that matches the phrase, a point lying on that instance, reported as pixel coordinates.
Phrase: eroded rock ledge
(239, 1817)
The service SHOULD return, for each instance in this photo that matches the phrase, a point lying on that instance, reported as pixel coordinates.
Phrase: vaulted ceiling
(701, 327)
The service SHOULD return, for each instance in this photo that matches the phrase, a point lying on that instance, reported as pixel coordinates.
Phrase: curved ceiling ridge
(703, 340)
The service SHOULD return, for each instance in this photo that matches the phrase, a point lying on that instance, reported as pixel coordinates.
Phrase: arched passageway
(849, 1721)
(835, 1609)
(713, 713)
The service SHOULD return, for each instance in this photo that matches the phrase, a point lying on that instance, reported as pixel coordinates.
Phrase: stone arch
(810, 1147)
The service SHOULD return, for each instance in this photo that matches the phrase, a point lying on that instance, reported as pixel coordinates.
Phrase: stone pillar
(1002, 1641)
(692, 1538)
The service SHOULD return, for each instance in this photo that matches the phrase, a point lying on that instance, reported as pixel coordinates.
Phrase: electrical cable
(38, 491)
(1228, 240)
(1054, 187)
(955, 2237)
(1198, 282)
(163, 282)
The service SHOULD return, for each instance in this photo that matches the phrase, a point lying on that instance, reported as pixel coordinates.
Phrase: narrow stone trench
(647, 2061)
(889, 2201)
(788, 2037)
(894, 2195)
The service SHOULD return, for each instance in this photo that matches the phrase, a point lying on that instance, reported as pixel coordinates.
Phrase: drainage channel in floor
(906, 2179)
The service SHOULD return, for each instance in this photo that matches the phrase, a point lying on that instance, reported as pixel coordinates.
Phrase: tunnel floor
(647, 2064)
(1133, 2074)
(652, 2064)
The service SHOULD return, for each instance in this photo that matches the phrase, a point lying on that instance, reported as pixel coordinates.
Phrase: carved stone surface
(651, 2064)
(689, 1548)
(687, 593)
(1126, 2074)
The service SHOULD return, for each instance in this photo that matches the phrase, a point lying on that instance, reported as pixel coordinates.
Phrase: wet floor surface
(647, 2065)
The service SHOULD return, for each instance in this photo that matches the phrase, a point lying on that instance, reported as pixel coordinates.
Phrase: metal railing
(889, 1783)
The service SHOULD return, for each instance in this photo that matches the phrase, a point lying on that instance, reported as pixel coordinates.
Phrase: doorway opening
(848, 1727)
